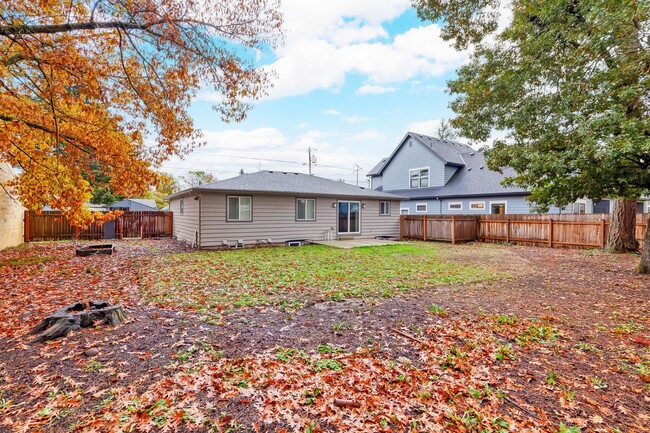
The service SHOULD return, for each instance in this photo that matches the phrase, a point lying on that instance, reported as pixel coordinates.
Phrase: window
(419, 177)
(240, 208)
(384, 208)
(182, 207)
(580, 207)
(499, 207)
(455, 205)
(306, 209)
(647, 207)
(421, 207)
(404, 211)
(476, 205)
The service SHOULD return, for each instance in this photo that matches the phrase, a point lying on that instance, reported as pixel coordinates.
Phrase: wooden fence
(534, 229)
(52, 226)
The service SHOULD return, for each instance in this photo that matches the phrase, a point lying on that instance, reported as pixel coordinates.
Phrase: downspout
(200, 219)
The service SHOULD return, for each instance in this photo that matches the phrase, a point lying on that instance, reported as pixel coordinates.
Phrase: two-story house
(445, 177)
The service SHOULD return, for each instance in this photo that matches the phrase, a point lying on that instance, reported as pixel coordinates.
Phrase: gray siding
(376, 182)
(449, 172)
(396, 173)
(274, 217)
(514, 205)
(186, 225)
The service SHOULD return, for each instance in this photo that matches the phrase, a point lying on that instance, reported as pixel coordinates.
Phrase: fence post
(141, 225)
(26, 226)
(401, 227)
(424, 228)
(453, 229)
(478, 228)
(550, 232)
(602, 233)
(508, 230)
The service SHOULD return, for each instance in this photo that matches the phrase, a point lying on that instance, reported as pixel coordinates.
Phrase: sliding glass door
(349, 217)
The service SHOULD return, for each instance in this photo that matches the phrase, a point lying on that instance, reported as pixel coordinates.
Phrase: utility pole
(312, 158)
(356, 170)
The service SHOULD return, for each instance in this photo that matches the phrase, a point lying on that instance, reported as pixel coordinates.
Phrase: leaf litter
(558, 343)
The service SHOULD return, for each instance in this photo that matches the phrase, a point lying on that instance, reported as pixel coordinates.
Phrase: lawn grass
(292, 277)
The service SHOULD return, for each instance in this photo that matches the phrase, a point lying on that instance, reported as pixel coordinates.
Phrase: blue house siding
(377, 182)
(450, 170)
(411, 155)
(514, 205)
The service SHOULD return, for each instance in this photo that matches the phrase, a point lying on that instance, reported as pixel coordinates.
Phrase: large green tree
(568, 81)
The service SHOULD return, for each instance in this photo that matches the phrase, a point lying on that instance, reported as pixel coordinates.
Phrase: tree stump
(75, 316)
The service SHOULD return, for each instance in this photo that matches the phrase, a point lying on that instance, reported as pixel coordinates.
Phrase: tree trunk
(644, 264)
(75, 316)
(622, 237)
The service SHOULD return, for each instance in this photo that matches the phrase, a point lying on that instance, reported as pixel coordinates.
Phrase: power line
(270, 160)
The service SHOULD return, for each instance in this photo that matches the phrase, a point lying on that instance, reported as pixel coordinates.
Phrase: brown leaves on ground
(561, 346)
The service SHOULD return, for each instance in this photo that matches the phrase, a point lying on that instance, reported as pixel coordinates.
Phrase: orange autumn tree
(110, 82)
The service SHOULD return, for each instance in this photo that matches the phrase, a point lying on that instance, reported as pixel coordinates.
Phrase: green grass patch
(26, 260)
(291, 277)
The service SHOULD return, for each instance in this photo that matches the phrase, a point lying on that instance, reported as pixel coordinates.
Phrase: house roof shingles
(447, 150)
(279, 182)
(472, 179)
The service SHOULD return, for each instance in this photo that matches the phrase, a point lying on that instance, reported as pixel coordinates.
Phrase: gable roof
(448, 151)
(141, 201)
(472, 179)
(282, 182)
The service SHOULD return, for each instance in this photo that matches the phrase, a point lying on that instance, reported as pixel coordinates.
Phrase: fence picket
(51, 225)
(571, 230)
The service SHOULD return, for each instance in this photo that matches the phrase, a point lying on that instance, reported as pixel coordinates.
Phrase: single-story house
(279, 207)
(446, 177)
(134, 204)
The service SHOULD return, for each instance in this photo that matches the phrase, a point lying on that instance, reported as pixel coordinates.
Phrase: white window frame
(426, 207)
(504, 202)
(387, 203)
(647, 206)
(419, 170)
(579, 202)
(471, 203)
(181, 207)
(239, 219)
(454, 203)
(307, 200)
(403, 211)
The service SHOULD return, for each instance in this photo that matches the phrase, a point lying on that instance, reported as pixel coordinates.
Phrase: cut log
(75, 316)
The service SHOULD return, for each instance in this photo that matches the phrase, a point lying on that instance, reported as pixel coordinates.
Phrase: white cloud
(369, 89)
(269, 149)
(315, 134)
(354, 119)
(326, 41)
(332, 112)
(241, 140)
(426, 127)
(368, 135)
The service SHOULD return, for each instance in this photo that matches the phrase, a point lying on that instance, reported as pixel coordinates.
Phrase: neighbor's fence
(577, 230)
(52, 226)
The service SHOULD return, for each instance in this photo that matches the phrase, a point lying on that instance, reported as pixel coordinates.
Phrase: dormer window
(419, 177)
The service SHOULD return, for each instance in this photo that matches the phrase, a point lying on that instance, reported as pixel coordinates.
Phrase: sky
(352, 78)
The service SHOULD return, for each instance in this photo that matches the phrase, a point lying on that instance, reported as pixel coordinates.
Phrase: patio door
(349, 218)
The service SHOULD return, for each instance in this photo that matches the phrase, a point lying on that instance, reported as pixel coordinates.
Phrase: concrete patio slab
(354, 243)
